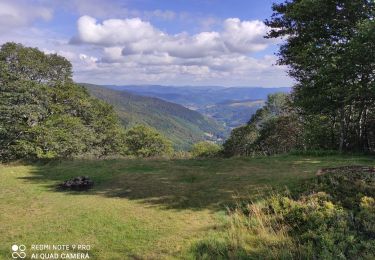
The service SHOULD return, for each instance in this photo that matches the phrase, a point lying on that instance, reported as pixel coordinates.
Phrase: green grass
(140, 208)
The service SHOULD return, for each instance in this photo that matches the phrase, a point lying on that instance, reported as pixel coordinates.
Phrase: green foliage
(329, 51)
(280, 135)
(183, 126)
(273, 129)
(333, 218)
(366, 216)
(45, 115)
(321, 227)
(62, 136)
(143, 141)
(242, 141)
(205, 150)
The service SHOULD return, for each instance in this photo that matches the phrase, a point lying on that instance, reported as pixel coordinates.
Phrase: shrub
(366, 216)
(322, 228)
(179, 155)
(334, 218)
(205, 150)
(143, 141)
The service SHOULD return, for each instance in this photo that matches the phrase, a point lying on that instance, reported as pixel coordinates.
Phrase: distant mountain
(200, 97)
(181, 125)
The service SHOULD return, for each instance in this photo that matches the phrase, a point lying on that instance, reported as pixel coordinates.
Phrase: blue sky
(169, 42)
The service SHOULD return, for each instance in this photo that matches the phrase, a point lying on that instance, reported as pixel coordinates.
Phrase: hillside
(181, 125)
(233, 113)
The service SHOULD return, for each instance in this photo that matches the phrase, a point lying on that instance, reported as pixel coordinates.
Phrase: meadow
(141, 209)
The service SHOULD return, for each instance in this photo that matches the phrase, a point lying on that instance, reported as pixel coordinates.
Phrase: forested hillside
(233, 113)
(182, 126)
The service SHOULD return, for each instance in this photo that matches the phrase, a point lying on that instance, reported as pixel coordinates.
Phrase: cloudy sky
(168, 42)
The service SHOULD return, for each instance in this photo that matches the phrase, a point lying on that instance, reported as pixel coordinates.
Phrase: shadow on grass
(192, 184)
(181, 184)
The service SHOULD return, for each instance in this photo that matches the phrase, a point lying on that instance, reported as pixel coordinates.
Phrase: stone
(77, 183)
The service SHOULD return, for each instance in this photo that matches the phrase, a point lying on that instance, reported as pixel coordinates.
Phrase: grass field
(140, 209)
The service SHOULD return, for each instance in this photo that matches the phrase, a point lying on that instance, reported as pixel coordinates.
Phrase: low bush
(334, 218)
(205, 150)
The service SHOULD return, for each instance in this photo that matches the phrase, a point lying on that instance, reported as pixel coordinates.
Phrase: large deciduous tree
(44, 114)
(329, 48)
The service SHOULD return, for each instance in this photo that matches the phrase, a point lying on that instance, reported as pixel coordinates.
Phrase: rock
(77, 183)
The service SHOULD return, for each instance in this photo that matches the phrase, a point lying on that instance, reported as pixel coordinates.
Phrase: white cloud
(20, 14)
(90, 60)
(133, 51)
(137, 36)
(148, 69)
(71, 56)
(136, 52)
(114, 31)
(246, 36)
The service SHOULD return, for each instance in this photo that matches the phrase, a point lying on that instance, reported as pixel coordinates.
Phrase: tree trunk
(342, 130)
(365, 141)
(360, 129)
(333, 126)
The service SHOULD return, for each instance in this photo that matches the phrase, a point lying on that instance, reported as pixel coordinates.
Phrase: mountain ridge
(200, 96)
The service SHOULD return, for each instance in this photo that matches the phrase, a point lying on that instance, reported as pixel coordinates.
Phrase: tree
(143, 141)
(61, 136)
(241, 141)
(273, 129)
(205, 150)
(45, 115)
(280, 135)
(323, 41)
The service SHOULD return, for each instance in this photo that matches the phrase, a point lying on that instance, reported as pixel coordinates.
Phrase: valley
(185, 114)
(182, 126)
